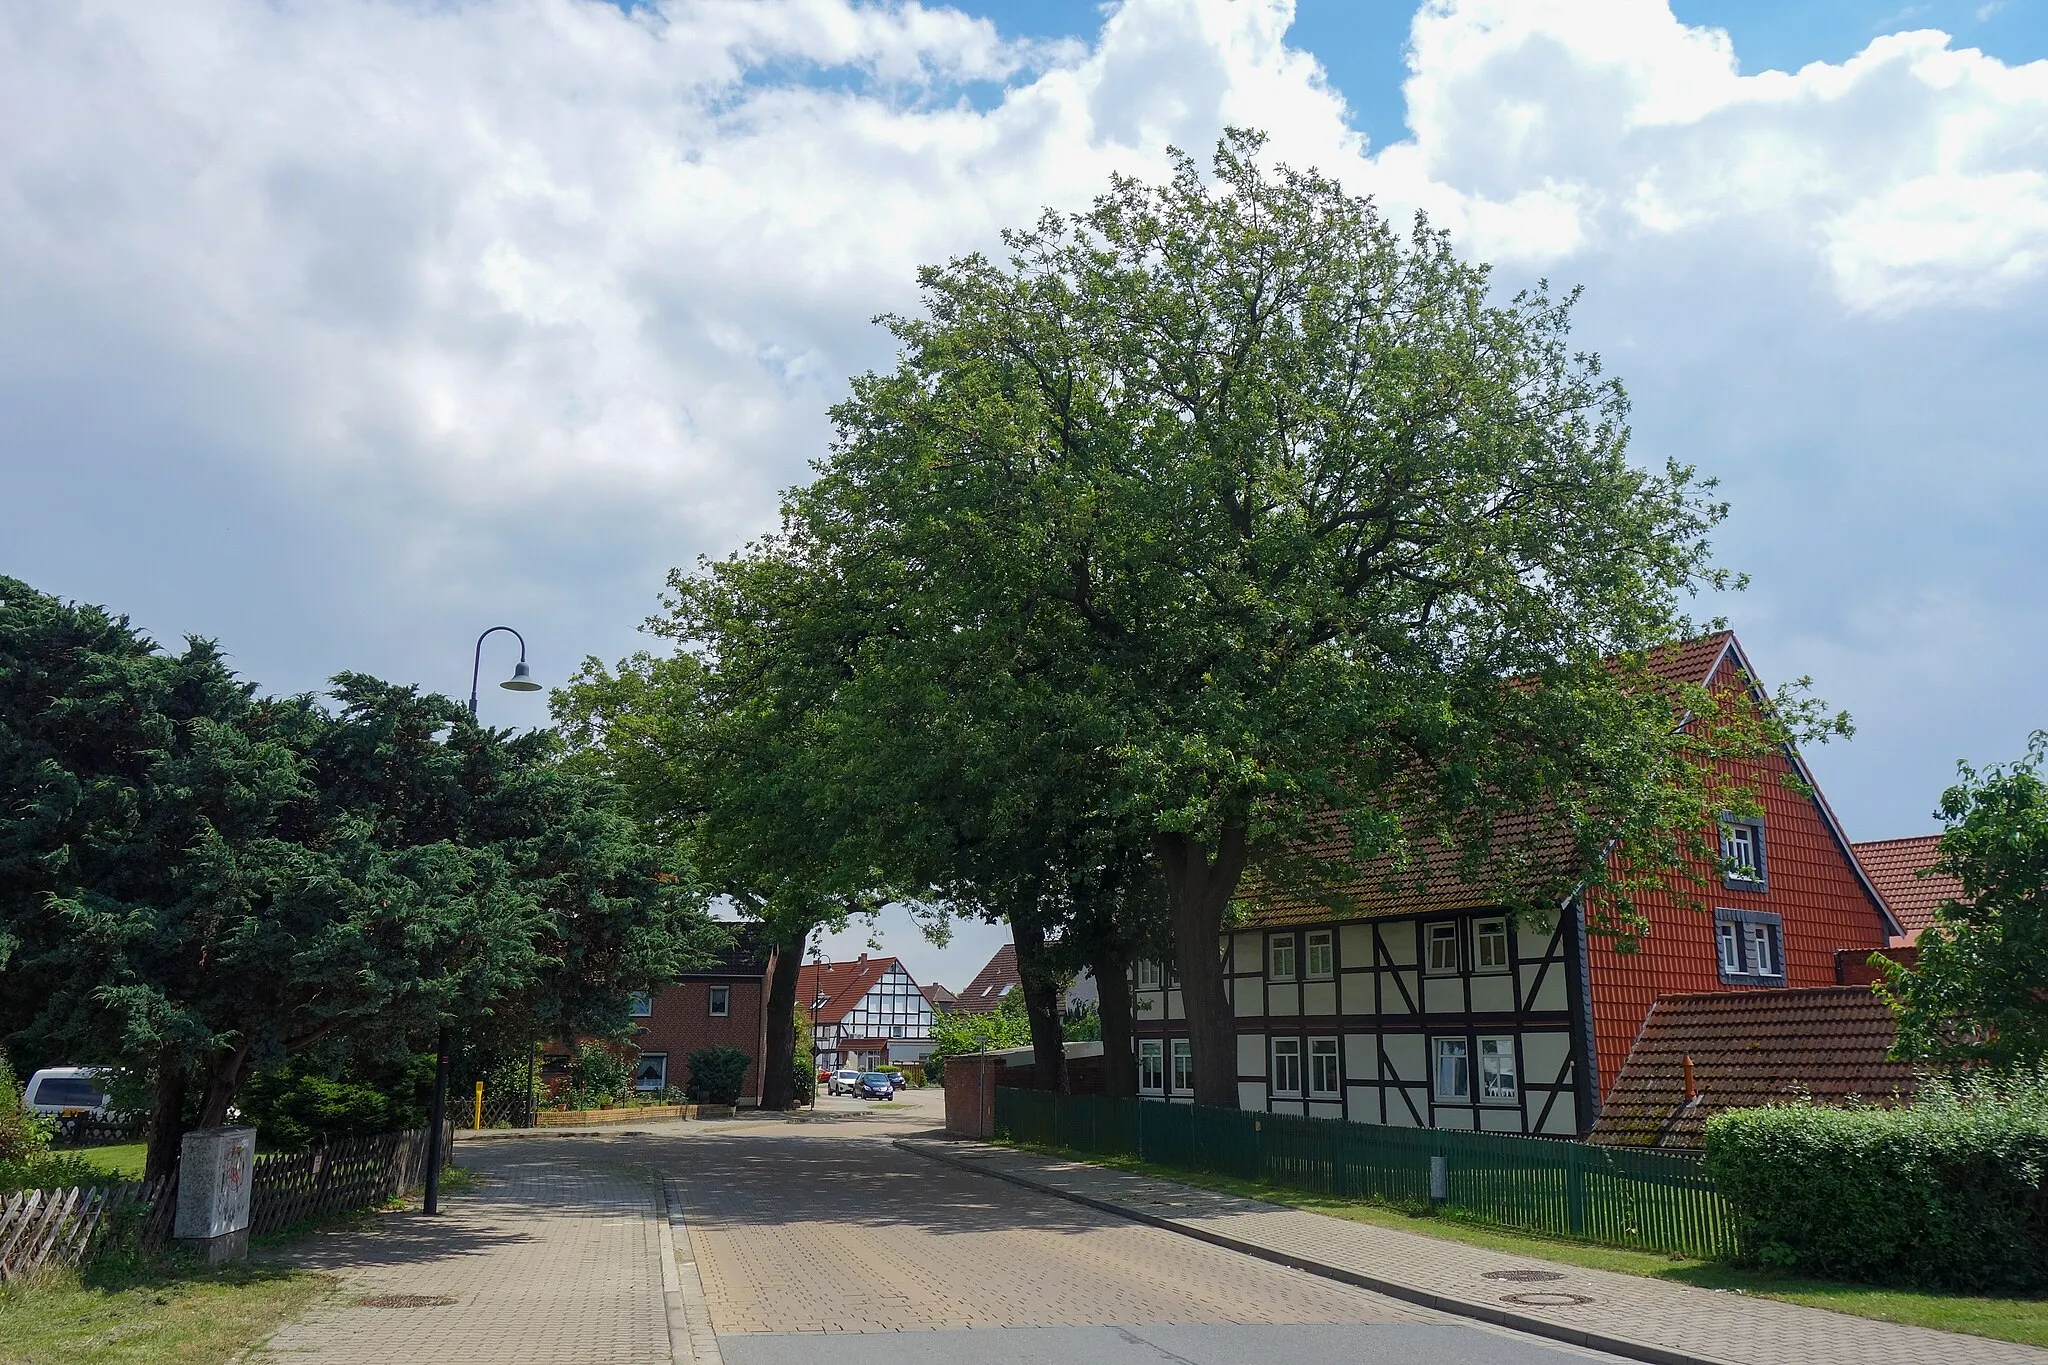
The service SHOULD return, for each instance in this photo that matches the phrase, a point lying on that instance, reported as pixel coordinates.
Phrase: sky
(339, 330)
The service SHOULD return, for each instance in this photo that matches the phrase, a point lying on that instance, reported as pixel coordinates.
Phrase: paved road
(823, 1243)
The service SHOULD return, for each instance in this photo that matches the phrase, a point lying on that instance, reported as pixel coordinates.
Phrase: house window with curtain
(1742, 854)
(1151, 1066)
(651, 1072)
(1183, 1067)
(1322, 1068)
(1280, 957)
(1443, 949)
(1497, 1082)
(1490, 945)
(721, 1001)
(1453, 1069)
(1287, 1066)
(1321, 954)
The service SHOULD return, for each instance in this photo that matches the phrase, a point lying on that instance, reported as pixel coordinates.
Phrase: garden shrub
(716, 1075)
(597, 1076)
(1950, 1192)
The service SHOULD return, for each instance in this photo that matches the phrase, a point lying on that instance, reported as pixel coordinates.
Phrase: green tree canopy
(1978, 990)
(204, 882)
(1282, 519)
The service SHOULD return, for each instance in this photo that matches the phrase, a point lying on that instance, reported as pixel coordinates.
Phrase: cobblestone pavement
(801, 1232)
(556, 1258)
(1694, 1323)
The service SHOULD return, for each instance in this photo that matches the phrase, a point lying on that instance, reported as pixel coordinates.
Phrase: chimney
(1692, 1091)
(863, 960)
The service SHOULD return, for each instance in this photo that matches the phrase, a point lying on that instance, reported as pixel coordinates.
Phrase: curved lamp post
(520, 681)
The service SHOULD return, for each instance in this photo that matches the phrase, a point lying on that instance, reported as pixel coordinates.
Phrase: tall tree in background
(210, 882)
(1304, 530)
(1975, 993)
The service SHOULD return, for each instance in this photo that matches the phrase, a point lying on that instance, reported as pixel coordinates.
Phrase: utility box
(216, 1170)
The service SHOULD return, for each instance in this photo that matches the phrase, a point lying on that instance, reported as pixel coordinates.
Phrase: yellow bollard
(479, 1106)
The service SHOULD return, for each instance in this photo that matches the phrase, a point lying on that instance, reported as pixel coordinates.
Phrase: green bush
(597, 1076)
(24, 1136)
(1950, 1192)
(306, 1104)
(716, 1075)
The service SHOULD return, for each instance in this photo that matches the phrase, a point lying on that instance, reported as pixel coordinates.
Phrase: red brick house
(866, 1012)
(722, 1006)
(1431, 1009)
(1700, 1054)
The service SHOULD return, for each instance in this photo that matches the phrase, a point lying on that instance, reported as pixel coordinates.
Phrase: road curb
(691, 1340)
(1427, 1298)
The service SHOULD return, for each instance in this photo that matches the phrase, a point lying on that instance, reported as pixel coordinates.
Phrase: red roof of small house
(938, 996)
(1749, 1048)
(991, 983)
(841, 984)
(1894, 867)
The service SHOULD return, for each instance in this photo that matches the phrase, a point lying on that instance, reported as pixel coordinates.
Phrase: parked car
(58, 1091)
(875, 1085)
(845, 1081)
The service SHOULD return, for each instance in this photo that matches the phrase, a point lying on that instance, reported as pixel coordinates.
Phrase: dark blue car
(876, 1085)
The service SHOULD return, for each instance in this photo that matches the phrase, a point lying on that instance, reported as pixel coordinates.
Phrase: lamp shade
(521, 680)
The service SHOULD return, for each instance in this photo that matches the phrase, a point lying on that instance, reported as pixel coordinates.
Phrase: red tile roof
(992, 982)
(938, 995)
(1894, 867)
(841, 983)
(1526, 849)
(1749, 1048)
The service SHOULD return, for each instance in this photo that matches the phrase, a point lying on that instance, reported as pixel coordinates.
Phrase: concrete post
(216, 1172)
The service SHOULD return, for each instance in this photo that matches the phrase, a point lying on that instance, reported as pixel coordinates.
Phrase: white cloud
(425, 308)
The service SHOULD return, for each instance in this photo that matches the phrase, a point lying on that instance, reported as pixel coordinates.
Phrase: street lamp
(520, 681)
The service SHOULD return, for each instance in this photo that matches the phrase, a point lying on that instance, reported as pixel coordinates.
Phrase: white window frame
(1758, 940)
(1739, 870)
(1319, 955)
(1286, 1067)
(1728, 946)
(1490, 945)
(1325, 1069)
(1442, 932)
(1181, 1072)
(1151, 1066)
(1455, 1049)
(1280, 957)
(718, 1000)
(641, 1004)
(660, 1082)
(1150, 975)
(1499, 1071)
(1760, 950)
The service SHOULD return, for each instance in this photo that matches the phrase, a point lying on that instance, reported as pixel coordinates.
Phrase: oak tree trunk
(778, 1064)
(166, 1116)
(1119, 1051)
(1041, 990)
(1199, 885)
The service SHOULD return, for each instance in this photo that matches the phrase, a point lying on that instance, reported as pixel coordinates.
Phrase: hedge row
(1950, 1192)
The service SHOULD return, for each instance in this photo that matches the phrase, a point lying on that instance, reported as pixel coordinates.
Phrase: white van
(61, 1090)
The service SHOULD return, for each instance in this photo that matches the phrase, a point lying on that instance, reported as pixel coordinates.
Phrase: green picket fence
(1652, 1201)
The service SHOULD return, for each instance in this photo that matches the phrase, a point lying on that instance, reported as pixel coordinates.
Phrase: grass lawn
(123, 1160)
(151, 1312)
(2020, 1320)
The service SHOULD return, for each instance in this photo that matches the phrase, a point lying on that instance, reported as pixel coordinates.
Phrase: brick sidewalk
(556, 1258)
(1628, 1315)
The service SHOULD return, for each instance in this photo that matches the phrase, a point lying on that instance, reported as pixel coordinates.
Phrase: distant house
(1899, 869)
(1700, 1054)
(942, 1000)
(866, 1012)
(999, 977)
(721, 1006)
(1432, 1006)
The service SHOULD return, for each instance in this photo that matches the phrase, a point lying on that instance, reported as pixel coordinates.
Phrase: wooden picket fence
(63, 1227)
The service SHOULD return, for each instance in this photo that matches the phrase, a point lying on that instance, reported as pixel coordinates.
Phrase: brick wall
(682, 1022)
(971, 1095)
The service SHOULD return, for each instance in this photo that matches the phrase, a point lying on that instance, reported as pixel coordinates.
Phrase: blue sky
(341, 332)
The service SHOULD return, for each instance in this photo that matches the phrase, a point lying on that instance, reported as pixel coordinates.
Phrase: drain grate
(1545, 1299)
(403, 1301)
(1521, 1276)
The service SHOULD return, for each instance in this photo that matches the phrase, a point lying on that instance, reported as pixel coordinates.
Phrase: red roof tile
(1894, 867)
(992, 982)
(842, 984)
(1749, 1048)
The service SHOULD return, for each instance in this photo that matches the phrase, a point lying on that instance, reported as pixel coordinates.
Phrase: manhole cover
(1521, 1276)
(404, 1301)
(1545, 1299)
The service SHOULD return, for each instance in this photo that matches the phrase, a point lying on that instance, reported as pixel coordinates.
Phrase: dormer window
(1742, 854)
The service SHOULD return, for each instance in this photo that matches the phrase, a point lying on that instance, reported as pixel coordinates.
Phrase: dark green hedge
(716, 1075)
(1950, 1192)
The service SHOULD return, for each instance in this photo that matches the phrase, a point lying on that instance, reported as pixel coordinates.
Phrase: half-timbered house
(1431, 1008)
(865, 1012)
